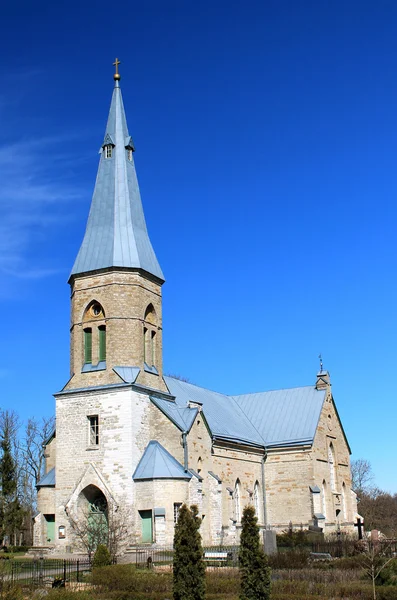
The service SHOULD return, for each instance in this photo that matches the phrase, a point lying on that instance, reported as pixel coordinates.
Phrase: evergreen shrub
(101, 557)
(189, 567)
(253, 563)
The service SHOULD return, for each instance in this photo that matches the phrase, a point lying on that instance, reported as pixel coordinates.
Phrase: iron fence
(49, 572)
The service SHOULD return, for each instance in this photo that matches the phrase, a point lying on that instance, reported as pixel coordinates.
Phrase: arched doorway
(93, 508)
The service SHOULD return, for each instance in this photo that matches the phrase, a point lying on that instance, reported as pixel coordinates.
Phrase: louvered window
(88, 345)
(102, 342)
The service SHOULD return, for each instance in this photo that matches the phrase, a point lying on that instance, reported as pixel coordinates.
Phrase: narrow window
(93, 422)
(145, 335)
(88, 345)
(324, 498)
(256, 499)
(153, 344)
(177, 508)
(102, 342)
(344, 501)
(129, 153)
(237, 502)
(331, 461)
(108, 151)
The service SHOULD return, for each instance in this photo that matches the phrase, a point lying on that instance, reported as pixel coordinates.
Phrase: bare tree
(362, 475)
(32, 446)
(374, 559)
(92, 529)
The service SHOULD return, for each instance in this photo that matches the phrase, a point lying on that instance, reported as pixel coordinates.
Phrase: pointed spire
(116, 233)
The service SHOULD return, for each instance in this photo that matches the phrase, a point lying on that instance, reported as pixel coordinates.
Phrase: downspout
(185, 451)
(264, 458)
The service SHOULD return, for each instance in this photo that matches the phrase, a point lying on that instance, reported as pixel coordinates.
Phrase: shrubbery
(253, 564)
(189, 567)
(101, 557)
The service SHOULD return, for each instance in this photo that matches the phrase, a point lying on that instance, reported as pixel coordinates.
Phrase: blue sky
(266, 150)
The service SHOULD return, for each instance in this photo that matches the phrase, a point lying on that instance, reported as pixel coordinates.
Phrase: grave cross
(360, 527)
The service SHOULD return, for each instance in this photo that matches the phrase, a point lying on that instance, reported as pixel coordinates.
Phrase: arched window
(102, 342)
(344, 507)
(149, 336)
(331, 462)
(237, 509)
(324, 498)
(199, 464)
(88, 345)
(257, 499)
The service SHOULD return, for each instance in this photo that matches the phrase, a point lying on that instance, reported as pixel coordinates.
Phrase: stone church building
(132, 441)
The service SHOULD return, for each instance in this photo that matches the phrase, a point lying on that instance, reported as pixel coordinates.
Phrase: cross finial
(321, 363)
(116, 76)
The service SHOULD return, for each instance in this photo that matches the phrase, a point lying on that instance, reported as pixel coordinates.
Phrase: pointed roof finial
(116, 64)
(321, 363)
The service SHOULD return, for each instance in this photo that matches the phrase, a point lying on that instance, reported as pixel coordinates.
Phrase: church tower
(116, 307)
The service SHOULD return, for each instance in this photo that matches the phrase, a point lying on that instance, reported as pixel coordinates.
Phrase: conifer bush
(189, 567)
(253, 564)
(101, 557)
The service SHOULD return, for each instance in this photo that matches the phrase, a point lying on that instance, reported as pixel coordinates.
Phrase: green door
(50, 520)
(147, 526)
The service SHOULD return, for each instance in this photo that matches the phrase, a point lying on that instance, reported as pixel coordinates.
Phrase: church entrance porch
(93, 516)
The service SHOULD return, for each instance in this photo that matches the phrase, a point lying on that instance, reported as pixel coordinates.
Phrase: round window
(96, 309)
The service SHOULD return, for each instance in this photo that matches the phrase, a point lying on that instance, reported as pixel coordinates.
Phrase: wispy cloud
(32, 193)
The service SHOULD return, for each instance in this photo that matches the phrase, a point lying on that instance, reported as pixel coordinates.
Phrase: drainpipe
(185, 452)
(264, 458)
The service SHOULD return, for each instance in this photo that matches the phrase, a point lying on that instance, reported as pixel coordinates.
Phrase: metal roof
(183, 417)
(158, 463)
(284, 416)
(223, 414)
(116, 233)
(127, 374)
(48, 480)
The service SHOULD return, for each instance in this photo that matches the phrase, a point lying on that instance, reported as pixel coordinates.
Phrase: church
(132, 441)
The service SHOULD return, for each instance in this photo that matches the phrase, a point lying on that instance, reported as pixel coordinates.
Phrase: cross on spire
(321, 363)
(116, 64)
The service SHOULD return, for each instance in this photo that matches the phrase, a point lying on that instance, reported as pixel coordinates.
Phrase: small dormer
(107, 146)
(129, 146)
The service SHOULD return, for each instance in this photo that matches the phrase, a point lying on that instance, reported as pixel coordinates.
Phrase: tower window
(102, 342)
(88, 345)
(93, 422)
(129, 153)
(108, 151)
(153, 339)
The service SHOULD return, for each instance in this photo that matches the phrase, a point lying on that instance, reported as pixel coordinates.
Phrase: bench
(320, 556)
(221, 556)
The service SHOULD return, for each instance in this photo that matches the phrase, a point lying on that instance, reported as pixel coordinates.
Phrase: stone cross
(360, 526)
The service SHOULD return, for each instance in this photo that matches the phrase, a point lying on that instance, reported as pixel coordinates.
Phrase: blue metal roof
(127, 374)
(48, 480)
(183, 417)
(157, 463)
(116, 234)
(223, 414)
(282, 417)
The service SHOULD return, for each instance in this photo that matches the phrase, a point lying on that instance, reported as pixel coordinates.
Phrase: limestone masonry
(132, 445)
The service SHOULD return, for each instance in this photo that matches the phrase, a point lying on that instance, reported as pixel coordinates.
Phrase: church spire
(116, 235)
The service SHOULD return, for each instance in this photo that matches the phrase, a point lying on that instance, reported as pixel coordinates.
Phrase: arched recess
(257, 502)
(149, 336)
(324, 498)
(92, 516)
(237, 500)
(344, 506)
(94, 333)
(331, 462)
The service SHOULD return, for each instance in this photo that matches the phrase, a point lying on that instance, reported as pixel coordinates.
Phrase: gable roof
(284, 416)
(116, 233)
(157, 463)
(275, 418)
